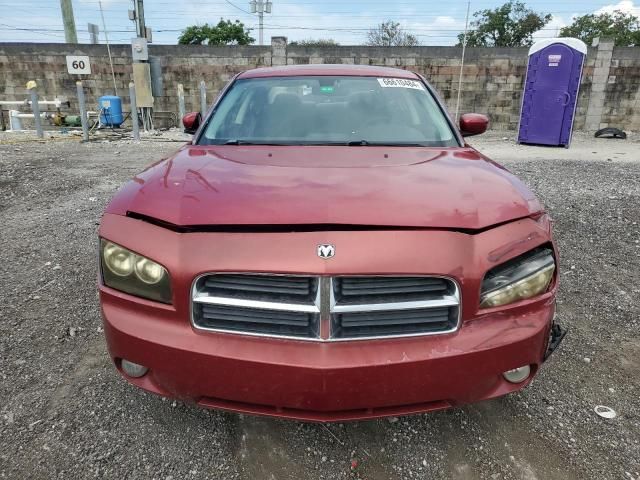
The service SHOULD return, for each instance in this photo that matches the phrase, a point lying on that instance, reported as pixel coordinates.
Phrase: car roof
(328, 70)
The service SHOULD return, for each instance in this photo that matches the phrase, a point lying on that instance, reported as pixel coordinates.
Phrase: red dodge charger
(328, 248)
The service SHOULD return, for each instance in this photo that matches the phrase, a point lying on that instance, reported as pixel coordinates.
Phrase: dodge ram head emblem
(326, 251)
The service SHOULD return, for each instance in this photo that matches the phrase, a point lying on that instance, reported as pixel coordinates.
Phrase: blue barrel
(110, 110)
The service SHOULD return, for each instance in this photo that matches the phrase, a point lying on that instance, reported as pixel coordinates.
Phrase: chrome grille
(351, 307)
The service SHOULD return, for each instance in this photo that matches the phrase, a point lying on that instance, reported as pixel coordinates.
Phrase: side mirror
(191, 122)
(473, 124)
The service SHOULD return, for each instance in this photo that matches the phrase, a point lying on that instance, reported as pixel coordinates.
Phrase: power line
(368, 3)
(427, 23)
(239, 8)
(267, 27)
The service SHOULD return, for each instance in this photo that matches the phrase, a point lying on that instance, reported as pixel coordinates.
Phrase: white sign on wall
(78, 64)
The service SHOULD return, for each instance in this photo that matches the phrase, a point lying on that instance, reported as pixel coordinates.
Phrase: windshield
(318, 110)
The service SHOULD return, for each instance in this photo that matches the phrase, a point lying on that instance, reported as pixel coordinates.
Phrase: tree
(623, 28)
(321, 42)
(511, 25)
(390, 34)
(225, 33)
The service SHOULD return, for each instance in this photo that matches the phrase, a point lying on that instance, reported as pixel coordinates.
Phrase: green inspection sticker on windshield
(326, 89)
(400, 83)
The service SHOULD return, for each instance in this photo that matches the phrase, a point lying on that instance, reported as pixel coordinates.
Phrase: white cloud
(442, 30)
(626, 6)
(552, 29)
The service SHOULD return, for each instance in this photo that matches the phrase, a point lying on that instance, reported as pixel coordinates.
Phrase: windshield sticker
(401, 83)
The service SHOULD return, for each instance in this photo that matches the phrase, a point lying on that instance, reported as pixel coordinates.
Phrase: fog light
(517, 375)
(133, 369)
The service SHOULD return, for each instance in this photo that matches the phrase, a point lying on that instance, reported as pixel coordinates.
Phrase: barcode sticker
(400, 83)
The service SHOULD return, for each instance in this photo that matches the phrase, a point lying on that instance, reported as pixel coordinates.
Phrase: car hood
(454, 188)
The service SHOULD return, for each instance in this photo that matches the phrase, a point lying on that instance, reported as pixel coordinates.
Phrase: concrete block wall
(492, 81)
(492, 78)
(621, 107)
(599, 79)
(46, 64)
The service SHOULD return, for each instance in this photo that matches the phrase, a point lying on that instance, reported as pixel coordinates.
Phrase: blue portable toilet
(551, 91)
(110, 110)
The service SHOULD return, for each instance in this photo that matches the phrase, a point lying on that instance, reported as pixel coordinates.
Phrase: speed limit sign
(78, 64)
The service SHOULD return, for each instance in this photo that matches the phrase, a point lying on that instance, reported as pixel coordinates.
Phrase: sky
(345, 21)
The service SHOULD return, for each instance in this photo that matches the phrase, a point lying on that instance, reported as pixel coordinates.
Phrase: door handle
(567, 97)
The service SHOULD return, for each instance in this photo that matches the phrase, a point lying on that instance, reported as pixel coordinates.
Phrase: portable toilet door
(551, 91)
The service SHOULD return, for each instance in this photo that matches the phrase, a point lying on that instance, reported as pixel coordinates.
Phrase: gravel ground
(65, 412)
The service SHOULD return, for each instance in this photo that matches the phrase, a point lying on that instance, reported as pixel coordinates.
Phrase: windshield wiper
(366, 143)
(236, 141)
(350, 143)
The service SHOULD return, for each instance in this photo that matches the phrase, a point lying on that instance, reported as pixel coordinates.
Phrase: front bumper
(326, 381)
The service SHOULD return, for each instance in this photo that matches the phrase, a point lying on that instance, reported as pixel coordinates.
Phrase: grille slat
(346, 291)
(234, 314)
(286, 289)
(394, 322)
(388, 289)
(394, 317)
(354, 307)
(258, 288)
(260, 280)
(260, 283)
(251, 320)
(364, 283)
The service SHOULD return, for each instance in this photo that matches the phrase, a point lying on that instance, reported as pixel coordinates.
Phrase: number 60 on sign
(78, 64)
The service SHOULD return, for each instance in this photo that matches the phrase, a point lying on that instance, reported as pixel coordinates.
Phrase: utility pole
(141, 29)
(70, 35)
(261, 7)
(142, 67)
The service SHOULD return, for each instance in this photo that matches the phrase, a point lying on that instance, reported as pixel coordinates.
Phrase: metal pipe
(15, 125)
(19, 114)
(57, 103)
(36, 112)
(203, 98)
(134, 111)
(181, 109)
(83, 112)
(14, 121)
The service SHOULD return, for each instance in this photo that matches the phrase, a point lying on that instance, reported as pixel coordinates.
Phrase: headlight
(117, 259)
(149, 271)
(523, 277)
(132, 273)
